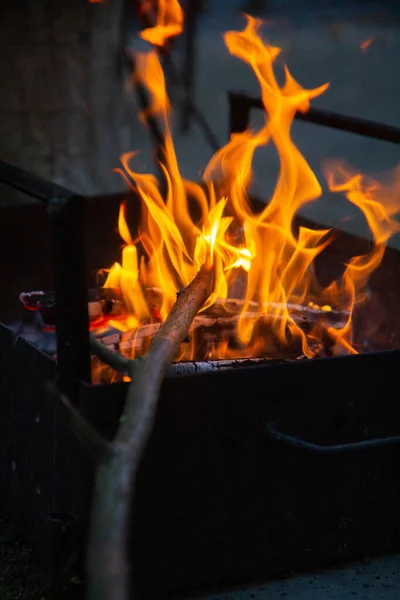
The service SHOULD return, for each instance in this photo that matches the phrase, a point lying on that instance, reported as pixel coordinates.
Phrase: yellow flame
(114, 277)
(122, 225)
(379, 203)
(263, 253)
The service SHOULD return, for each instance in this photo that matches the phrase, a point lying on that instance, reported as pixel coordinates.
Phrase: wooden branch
(108, 567)
(109, 357)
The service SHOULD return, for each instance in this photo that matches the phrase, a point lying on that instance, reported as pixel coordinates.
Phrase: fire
(379, 205)
(169, 21)
(258, 258)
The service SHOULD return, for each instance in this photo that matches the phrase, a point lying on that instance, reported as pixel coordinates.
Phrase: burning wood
(213, 342)
(219, 327)
(213, 333)
(210, 333)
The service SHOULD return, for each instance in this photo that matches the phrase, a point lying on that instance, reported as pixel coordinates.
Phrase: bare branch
(108, 567)
(109, 357)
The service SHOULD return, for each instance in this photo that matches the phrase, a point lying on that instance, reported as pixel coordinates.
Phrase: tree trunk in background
(61, 100)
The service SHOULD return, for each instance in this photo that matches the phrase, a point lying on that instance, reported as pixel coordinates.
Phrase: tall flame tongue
(279, 272)
(257, 253)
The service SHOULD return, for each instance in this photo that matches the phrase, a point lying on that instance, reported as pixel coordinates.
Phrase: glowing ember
(258, 258)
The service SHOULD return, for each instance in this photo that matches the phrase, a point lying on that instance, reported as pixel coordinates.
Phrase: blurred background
(68, 110)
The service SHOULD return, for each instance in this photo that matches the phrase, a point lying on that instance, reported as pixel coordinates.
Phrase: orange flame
(169, 22)
(259, 254)
(379, 204)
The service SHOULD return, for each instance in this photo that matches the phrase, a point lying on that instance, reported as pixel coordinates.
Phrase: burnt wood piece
(209, 331)
(103, 374)
(193, 367)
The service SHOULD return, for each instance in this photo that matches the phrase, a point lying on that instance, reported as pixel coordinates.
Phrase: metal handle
(274, 433)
